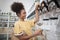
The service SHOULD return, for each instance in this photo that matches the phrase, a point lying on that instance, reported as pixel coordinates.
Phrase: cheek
(23, 15)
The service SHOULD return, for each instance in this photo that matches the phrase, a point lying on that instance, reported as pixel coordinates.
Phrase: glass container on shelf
(11, 24)
(4, 24)
(3, 36)
(0, 24)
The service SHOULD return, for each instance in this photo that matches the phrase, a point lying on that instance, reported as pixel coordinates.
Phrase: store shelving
(7, 21)
(7, 18)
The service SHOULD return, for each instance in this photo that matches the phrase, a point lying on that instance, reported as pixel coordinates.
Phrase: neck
(21, 19)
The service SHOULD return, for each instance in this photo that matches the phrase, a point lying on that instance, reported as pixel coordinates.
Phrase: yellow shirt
(19, 26)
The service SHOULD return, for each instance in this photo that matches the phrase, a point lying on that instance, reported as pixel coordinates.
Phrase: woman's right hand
(38, 32)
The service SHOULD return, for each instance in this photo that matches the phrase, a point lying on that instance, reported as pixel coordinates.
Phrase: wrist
(36, 11)
(35, 34)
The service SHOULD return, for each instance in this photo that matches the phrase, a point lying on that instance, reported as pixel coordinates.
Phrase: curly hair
(17, 7)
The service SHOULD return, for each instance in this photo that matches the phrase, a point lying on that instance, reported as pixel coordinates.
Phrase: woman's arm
(27, 37)
(36, 16)
(36, 12)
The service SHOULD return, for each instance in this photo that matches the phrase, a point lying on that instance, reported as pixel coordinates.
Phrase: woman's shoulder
(17, 22)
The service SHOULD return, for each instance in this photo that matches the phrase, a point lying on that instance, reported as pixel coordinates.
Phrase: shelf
(13, 16)
(3, 15)
(7, 21)
(45, 19)
(4, 21)
(6, 27)
(11, 21)
(3, 33)
(53, 18)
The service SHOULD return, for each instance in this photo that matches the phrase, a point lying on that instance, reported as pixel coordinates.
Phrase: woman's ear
(18, 14)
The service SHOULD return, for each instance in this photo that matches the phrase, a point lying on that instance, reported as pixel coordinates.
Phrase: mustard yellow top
(26, 26)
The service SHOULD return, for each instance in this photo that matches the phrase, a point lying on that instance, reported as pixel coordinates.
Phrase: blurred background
(50, 18)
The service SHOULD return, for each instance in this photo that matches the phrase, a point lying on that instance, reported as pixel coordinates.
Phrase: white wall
(5, 4)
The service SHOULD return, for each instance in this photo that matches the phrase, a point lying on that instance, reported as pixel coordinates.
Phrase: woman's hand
(37, 6)
(38, 32)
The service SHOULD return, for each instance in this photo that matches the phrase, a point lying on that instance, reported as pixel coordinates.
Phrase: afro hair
(17, 7)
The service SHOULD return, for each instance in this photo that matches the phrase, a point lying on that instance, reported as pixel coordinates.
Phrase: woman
(23, 28)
